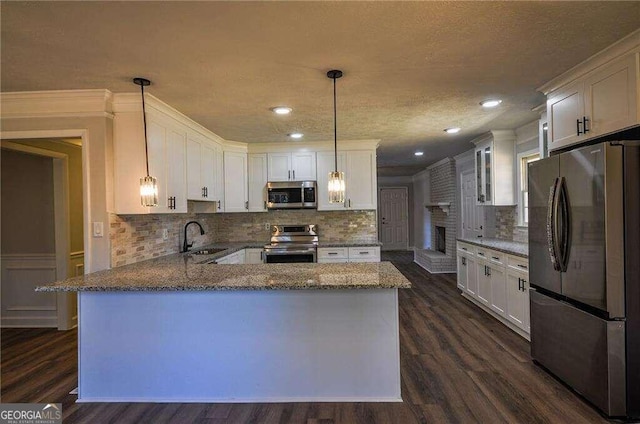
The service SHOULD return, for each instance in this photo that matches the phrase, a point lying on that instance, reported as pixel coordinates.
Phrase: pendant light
(148, 184)
(336, 179)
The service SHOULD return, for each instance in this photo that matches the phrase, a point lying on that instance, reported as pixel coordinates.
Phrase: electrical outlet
(165, 234)
(267, 226)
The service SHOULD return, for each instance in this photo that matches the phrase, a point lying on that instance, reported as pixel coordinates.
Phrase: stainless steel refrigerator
(584, 264)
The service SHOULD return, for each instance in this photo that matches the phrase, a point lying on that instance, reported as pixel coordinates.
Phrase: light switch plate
(98, 229)
(267, 226)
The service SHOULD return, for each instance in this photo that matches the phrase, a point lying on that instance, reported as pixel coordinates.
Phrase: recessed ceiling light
(452, 130)
(419, 153)
(282, 110)
(490, 103)
(295, 135)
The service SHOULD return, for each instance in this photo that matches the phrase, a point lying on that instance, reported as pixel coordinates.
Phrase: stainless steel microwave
(292, 195)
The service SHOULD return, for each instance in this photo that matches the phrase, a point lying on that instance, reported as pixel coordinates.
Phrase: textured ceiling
(411, 69)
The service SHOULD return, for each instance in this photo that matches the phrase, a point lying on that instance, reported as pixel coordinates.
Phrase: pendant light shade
(148, 184)
(337, 186)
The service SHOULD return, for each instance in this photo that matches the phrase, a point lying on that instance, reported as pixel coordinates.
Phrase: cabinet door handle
(294, 175)
(219, 202)
(585, 120)
(206, 192)
(265, 205)
(289, 177)
(349, 202)
(488, 271)
(578, 130)
(464, 261)
(523, 283)
(246, 205)
(519, 284)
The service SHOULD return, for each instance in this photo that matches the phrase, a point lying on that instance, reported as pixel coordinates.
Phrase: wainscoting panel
(21, 305)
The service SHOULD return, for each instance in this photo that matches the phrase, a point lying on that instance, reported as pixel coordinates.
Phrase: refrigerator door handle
(563, 241)
(552, 226)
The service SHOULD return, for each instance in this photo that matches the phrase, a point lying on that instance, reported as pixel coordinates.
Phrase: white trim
(463, 158)
(519, 157)
(612, 52)
(56, 103)
(406, 204)
(424, 174)
(76, 255)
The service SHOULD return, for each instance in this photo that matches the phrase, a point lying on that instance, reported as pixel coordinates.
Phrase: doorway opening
(42, 229)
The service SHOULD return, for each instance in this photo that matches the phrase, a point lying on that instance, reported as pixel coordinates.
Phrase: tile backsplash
(506, 224)
(135, 238)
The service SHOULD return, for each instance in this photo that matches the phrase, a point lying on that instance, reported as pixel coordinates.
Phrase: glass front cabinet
(495, 167)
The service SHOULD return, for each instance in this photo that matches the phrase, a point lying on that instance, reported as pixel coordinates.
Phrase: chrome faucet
(185, 245)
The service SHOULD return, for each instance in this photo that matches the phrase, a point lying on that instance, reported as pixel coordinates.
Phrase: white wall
(421, 215)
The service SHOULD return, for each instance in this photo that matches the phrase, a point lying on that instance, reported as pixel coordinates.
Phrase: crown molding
(58, 103)
(315, 146)
(621, 47)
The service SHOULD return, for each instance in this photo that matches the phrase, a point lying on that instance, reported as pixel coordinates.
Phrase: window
(524, 159)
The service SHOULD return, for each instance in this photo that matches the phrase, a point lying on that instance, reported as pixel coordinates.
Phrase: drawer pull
(332, 253)
(364, 253)
(521, 266)
(464, 248)
(480, 254)
(495, 258)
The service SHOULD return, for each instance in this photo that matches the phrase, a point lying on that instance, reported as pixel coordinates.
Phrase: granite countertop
(181, 272)
(506, 246)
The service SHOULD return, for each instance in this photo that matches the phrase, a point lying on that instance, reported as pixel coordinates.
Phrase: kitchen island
(174, 330)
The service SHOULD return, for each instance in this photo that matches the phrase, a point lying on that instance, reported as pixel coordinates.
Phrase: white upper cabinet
(297, 166)
(361, 180)
(167, 159)
(361, 184)
(236, 197)
(257, 164)
(494, 162)
(202, 169)
(597, 97)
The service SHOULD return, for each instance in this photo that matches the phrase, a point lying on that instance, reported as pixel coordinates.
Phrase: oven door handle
(288, 252)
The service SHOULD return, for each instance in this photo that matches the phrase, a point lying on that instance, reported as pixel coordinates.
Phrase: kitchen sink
(207, 251)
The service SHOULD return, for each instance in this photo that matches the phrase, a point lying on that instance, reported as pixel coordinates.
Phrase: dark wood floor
(459, 365)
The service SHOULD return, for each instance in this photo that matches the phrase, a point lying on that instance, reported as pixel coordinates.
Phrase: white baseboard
(236, 400)
(504, 321)
(29, 322)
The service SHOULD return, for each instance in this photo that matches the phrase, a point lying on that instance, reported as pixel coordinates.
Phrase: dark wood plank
(459, 365)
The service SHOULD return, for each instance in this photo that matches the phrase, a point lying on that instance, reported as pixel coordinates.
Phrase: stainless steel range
(292, 244)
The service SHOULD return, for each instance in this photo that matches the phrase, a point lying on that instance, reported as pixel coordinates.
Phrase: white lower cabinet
(497, 283)
(348, 254)
(238, 257)
(253, 256)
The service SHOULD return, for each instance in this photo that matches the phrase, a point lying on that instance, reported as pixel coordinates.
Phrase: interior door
(472, 214)
(585, 277)
(394, 219)
(543, 175)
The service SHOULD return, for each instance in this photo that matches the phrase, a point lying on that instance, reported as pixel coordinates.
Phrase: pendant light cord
(144, 120)
(335, 127)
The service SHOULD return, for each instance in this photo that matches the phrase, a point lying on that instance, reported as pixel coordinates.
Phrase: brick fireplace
(440, 258)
